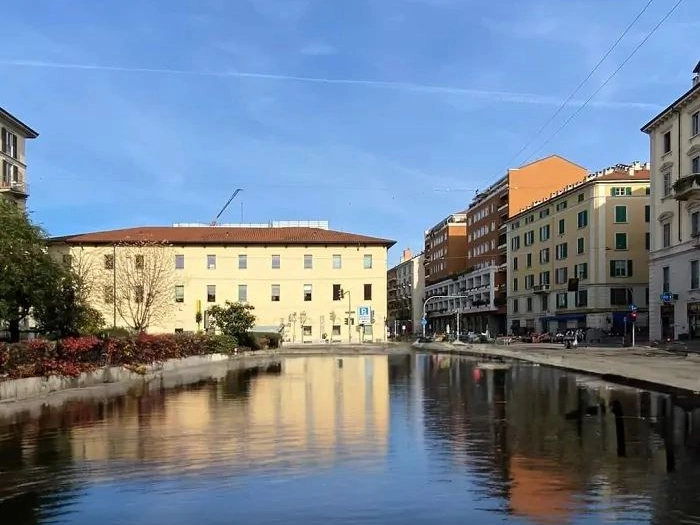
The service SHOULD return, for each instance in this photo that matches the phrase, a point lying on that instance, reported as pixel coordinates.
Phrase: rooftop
(223, 236)
(17, 123)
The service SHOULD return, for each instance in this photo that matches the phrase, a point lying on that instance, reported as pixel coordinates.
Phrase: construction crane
(216, 219)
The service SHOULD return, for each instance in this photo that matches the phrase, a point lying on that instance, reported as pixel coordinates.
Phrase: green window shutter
(612, 268)
(612, 192)
(628, 190)
(629, 268)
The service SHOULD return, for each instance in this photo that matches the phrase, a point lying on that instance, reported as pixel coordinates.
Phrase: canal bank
(644, 367)
(31, 393)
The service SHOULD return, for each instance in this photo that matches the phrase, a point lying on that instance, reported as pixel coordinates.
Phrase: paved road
(642, 364)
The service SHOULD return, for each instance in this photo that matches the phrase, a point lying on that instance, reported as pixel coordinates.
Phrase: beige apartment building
(405, 289)
(311, 282)
(13, 159)
(579, 258)
(674, 272)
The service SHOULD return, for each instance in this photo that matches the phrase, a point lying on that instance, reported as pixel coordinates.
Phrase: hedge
(72, 356)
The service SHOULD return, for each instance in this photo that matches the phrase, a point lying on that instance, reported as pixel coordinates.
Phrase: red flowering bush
(75, 355)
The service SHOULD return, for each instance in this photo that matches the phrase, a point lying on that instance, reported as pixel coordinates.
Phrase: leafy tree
(233, 319)
(27, 271)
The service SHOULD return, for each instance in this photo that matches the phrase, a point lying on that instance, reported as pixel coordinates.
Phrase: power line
(581, 84)
(624, 62)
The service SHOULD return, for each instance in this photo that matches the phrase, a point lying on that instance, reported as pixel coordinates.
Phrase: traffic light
(337, 293)
(346, 320)
(633, 316)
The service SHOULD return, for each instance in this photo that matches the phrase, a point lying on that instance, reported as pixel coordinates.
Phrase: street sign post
(364, 315)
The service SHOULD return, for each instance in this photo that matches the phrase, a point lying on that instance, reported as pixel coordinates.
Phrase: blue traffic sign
(423, 321)
(633, 307)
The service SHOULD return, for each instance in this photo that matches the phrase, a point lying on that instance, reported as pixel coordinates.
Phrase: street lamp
(343, 293)
(424, 321)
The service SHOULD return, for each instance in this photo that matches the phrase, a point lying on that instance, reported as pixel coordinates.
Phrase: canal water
(412, 439)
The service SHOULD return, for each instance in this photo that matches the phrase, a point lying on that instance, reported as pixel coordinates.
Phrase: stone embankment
(645, 366)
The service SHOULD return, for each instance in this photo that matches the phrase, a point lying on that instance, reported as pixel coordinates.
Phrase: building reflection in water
(553, 445)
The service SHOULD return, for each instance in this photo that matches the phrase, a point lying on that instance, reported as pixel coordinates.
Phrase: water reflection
(360, 439)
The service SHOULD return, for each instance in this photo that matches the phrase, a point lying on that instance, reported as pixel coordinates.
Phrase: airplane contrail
(500, 96)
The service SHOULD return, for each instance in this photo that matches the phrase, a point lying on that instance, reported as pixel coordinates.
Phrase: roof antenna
(215, 222)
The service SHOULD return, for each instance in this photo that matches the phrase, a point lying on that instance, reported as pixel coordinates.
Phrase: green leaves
(233, 319)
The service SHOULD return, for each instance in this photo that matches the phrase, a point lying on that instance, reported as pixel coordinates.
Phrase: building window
(621, 191)
(336, 330)
(581, 271)
(561, 275)
(695, 224)
(620, 214)
(211, 262)
(667, 184)
(694, 275)
(647, 213)
(242, 293)
(529, 281)
(515, 263)
(666, 279)
(138, 262)
(108, 294)
(562, 227)
(67, 260)
(515, 242)
(562, 300)
(667, 142)
(580, 245)
(544, 232)
(515, 284)
(109, 262)
(275, 293)
(528, 304)
(528, 260)
(544, 305)
(307, 331)
(544, 255)
(695, 124)
(211, 293)
(242, 262)
(337, 262)
(179, 262)
(308, 262)
(620, 241)
(9, 143)
(621, 268)
(529, 238)
(581, 196)
(583, 219)
(138, 293)
(647, 240)
(695, 165)
(581, 298)
(561, 251)
(619, 296)
(307, 292)
(666, 234)
(367, 262)
(561, 206)
(275, 262)
(516, 306)
(179, 293)
(368, 292)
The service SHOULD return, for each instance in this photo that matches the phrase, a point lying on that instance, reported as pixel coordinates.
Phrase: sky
(380, 116)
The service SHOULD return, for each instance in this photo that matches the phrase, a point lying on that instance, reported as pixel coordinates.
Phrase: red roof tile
(219, 235)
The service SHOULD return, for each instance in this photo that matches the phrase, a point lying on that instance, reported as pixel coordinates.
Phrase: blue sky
(360, 112)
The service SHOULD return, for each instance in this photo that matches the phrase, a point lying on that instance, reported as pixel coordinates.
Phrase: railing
(687, 188)
(19, 186)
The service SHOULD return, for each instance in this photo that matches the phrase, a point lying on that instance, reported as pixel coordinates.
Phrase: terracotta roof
(218, 235)
(621, 174)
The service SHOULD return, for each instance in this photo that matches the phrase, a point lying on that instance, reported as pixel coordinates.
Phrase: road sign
(364, 315)
(633, 307)
(423, 321)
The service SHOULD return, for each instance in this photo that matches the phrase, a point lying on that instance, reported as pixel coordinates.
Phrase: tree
(233, 319)
(144, 275)
(27, 272)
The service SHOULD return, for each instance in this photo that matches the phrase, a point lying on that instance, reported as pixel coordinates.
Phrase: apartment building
(312, 282)
(445, 247)
(405, 289)
(484, 284)
(674, 266)
(579, 258)
(13, 159)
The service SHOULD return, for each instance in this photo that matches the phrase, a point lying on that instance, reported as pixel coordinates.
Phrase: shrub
(74, 355)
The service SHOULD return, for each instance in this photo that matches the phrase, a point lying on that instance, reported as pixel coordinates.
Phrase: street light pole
(425, 304)
(343, 293)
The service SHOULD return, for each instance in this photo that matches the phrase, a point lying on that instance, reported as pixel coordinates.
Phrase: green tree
(233, 319)
(28, 274)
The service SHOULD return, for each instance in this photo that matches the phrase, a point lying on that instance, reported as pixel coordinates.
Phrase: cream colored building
(596, 230)
(311, 281)
(13, 159)
(674, 272)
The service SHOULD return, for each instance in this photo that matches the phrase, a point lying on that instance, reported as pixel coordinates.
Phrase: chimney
(406, 255)
(696, 78)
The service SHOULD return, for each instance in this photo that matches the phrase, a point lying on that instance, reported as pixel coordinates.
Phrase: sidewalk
(640, 364)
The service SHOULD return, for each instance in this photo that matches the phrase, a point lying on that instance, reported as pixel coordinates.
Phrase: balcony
(19, 187)
(687, 188)
(540, 288)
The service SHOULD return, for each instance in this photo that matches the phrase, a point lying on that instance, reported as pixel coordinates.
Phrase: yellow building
(316, 283)
(596, 231)
(13, 161)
